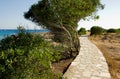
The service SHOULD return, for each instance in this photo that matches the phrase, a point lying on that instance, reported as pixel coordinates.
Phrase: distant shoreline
(7, 32)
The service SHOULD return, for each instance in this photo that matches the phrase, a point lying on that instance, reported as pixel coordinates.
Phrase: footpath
(89, 63)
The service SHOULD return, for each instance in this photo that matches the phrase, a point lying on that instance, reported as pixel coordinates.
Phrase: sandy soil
(62, 66)
(109, 44)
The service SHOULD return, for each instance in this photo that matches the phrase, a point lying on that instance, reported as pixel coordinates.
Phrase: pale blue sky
(109, 16)
(12, 11)
(11, 15)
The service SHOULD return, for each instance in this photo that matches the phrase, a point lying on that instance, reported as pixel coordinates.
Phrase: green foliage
(96, 30)
(17, 41)
(62, 16)
(17, 64)
(65, 12)
(111, 30)
(118, 31)
(26, 56)
(21, 30)
(82, 31)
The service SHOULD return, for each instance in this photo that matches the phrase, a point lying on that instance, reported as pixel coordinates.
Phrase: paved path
(89, 64)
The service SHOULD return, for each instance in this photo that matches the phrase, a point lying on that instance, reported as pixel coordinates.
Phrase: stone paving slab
(89, 63)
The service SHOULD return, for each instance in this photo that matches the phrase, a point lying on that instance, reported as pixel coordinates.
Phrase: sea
(7, 32)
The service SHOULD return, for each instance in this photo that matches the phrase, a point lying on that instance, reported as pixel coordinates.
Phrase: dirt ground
(109, 44)
(62, 66)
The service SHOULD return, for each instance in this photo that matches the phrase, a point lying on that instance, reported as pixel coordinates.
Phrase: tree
(61, 17)
(82, 31)
(96, 30)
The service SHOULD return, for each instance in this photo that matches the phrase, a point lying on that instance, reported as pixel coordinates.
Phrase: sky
(12, 11)
(109, 16)
(11, 14)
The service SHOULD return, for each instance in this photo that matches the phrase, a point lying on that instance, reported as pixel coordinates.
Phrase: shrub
(111, 30)
(82, 31)
(118, 31)
(96, 30)
(26, 56)
(19, 63)
(16, 41)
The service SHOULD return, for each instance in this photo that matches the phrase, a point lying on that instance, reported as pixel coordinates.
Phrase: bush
(111, 30)
(26, 56)
(96, 30)
(17, 41)
(82, 31)
(118, 31)
(19, 63)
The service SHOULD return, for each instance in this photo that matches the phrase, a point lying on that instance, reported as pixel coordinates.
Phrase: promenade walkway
(89, 64)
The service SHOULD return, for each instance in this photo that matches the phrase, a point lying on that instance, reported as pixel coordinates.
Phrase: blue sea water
(7, 32)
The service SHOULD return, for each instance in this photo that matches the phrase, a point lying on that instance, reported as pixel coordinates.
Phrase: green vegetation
(96, 30)
(26, 56)
(82, 31)
(62, 16)
(111, 30)
(118, 31)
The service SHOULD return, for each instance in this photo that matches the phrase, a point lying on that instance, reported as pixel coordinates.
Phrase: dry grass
(109, 44)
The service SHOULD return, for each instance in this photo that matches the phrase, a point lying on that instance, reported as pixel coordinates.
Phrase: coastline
(8, 32)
